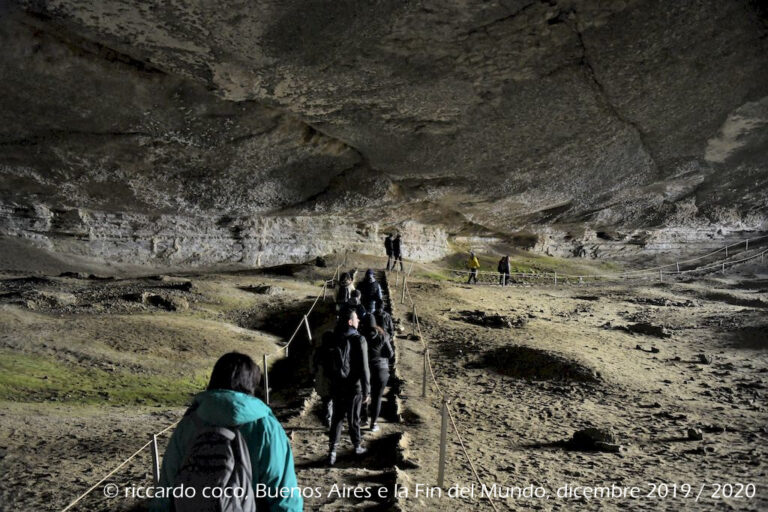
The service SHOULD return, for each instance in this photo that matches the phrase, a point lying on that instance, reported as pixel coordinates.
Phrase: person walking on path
(504, 270)
(472, 264)
(322, 372)
(397, 252)
(380, 357)
(388, 246)
(351, 384)
(229, 418)
(371, 296)
(346, 287)
(384, 320)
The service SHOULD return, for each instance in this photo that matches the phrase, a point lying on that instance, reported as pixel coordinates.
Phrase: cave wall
(190, 133)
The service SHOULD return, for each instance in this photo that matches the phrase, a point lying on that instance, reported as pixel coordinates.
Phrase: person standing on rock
(388, 247)
(228, 434)
(380, 357)
(350, 382)
(504, 270)
(397, 252)
(370, 290)
(472, 264)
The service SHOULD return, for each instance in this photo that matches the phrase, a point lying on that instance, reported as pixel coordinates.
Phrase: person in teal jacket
(229, 401)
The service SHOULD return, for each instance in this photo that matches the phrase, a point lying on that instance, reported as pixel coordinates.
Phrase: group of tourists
(353, 362)
(504, 268)
(228, 438)
(394, 249)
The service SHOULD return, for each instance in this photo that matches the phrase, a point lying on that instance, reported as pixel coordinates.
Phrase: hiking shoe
(374, 427)
(359, 450)
(332, 458)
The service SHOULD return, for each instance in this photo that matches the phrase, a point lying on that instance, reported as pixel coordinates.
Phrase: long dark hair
(237, 372)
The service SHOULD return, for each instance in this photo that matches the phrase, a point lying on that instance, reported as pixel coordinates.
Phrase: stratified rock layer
(264, 132)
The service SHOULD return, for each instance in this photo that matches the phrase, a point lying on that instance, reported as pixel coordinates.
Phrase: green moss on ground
(35, 378)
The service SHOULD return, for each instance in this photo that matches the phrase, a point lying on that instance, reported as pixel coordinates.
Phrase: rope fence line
(428, 362)
(626, 274)
(284, 348)
(443, 399)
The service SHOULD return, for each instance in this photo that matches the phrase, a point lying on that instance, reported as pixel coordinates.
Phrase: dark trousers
(349, 406)
(503, 279)
(397, 257)
(379, 379)
(326, 410)
(389, 261)
(472, 275)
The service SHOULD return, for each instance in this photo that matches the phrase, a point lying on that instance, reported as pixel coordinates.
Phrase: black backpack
(341, 359)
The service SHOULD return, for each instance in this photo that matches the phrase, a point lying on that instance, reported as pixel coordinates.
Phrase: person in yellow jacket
(472, 264)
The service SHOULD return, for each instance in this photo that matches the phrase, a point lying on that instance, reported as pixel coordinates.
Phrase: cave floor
(90, 368)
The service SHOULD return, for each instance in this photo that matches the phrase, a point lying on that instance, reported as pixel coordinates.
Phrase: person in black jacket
(371, 297)
(384, 320)
(380, 356)
(397, 252)
(345, 290)
(353, 304)
(388, 248)
(352, 390)
(504, 270)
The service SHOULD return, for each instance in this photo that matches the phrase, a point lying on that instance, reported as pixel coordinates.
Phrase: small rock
(703, 359)
(587, 439)
(695, 434)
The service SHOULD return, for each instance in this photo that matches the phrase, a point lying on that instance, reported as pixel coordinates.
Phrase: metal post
(661, 275)
(678, 266)
(402, 297)
(266, 381)
(726, 251)
(424, 376)
(723, 268)
(413, 318)
(443, 438)
(555, 278)
(325, 288)
(746, 244)
(309, 331)
(155, 461)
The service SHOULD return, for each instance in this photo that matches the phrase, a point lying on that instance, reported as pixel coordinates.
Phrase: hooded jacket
(371, 293)
(270, 450)
(473, 263)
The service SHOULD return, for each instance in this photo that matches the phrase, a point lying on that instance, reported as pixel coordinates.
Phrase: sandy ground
(561, 359)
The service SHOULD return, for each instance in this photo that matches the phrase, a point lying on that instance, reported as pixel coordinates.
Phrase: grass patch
(33, 378)
(523, 261)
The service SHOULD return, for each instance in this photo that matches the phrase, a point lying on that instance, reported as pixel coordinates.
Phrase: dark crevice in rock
(62, 134)
(83, 46)
(485, 26)
(599, 88)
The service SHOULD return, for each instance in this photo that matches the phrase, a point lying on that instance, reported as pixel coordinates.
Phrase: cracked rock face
(189, 133)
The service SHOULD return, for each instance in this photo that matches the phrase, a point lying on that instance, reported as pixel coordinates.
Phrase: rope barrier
(126, 461)
(169, 427)
(623, 275)
(442, 397)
